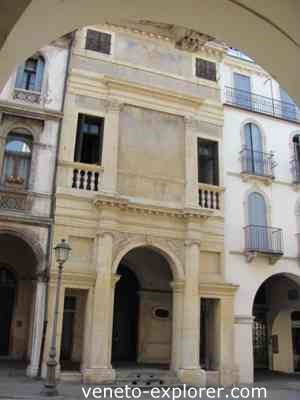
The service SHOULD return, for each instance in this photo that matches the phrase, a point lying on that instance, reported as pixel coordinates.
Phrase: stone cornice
(27, 111)
(217, 289)
(91, 81)
(245, 66)
(104, 201)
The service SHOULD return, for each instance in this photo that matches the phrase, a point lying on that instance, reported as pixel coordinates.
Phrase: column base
(98, 375)
(32, 371)
(195, 376)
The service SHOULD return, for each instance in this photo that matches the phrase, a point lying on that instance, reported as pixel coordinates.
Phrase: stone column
(110, 147)
(190, 372)
(178, 294)
(243, 339)
(99, 369)
(191, 164)
(227, 365)
(38, 325)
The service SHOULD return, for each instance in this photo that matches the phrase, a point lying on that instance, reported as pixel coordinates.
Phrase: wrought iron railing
(263, 239)
(261, 104)
(257, 162)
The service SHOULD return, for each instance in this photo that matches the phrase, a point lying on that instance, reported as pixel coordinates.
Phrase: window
(89, 139)
(288, 106)
(30, 74)
(17, 159)
(206, 69)
(253, 152)
(98, 41)
(242, 90)
(208, 169)
(257, 218)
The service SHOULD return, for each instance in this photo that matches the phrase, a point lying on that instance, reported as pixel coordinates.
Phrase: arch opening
(18, 267)
(276, 327)
(142, 321)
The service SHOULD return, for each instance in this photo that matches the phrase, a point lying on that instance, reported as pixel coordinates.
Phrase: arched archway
(19, 265)
(275, 337)
(142, 327)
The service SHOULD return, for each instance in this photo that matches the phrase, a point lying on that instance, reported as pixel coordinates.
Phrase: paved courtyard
(14, 385)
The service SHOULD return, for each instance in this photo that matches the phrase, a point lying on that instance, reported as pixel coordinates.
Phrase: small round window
(161, 313)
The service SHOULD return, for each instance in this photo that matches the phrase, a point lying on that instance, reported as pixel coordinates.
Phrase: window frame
(17, 158)
(79, 138)
(208, 62)
(99, 32)
(216, 161)
(38, 79)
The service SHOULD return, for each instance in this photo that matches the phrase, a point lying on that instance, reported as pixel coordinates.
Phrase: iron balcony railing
(295, 164)
(257, 162)
(263, 239)
(261, 104)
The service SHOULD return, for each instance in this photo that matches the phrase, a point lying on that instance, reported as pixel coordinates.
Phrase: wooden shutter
(98, 41)
(206, 69)
(20, 84)
(39, 74)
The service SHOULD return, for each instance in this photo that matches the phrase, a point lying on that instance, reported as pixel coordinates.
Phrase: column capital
(105, 232)
(113, 105)
(190, 122)
(191, 242)
(177, 286)
(42, 276)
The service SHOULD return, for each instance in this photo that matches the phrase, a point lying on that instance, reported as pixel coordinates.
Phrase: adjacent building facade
(174, 163)
(30, 115)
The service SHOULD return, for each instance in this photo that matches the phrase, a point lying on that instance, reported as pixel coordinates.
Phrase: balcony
(257, 163)
(80, 176)
(210, 197)
(261, 104)
(27, 95)
(265, 240)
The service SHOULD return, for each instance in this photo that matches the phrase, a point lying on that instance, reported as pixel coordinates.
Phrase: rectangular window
(89, 139)
(98, 41)
(206, 69)
(208, 168)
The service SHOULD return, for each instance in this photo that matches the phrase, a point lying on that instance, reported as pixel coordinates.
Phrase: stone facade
(26, 208)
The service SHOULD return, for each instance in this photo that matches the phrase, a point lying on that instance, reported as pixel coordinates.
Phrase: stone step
(146, 377)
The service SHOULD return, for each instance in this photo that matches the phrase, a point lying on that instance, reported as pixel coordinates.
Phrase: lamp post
(62, 252)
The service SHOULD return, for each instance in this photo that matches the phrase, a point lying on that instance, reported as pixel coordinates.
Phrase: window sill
(246, 177)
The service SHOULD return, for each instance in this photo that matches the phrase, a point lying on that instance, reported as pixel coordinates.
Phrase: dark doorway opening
(260, 330)
(125, 324)
(7, 300)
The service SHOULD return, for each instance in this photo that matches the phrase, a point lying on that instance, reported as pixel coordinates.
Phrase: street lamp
(62, 252)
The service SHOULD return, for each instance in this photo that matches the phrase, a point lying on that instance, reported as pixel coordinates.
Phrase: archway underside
(31, 25)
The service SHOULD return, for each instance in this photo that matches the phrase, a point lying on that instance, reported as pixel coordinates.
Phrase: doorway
(7, 301)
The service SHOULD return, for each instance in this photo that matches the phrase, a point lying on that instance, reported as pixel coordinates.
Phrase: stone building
(261, 163)
(176, 156)
(143, 108)
(30, 117)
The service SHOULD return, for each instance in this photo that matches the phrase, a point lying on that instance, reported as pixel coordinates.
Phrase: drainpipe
(53, 199)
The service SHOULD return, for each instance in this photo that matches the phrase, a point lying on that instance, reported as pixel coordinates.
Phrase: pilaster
(190, 371)
(99, 367)
(191, 164)
(38, 326)
(110, 146)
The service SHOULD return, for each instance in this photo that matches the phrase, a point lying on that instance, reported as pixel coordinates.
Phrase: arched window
(253, 160)
(257, 223)
(17, 159)
(30, 74)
